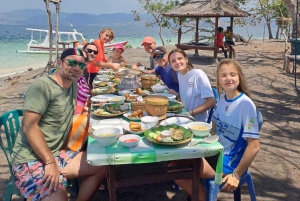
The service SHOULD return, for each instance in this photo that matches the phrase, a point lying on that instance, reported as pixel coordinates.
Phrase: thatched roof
(206, 8)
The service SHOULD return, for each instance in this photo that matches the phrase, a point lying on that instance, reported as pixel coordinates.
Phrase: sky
(75, 6)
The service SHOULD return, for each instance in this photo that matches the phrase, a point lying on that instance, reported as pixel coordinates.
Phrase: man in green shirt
(41, 167)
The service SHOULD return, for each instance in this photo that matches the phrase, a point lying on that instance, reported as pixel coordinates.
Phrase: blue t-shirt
(236, 121)
(169, 77)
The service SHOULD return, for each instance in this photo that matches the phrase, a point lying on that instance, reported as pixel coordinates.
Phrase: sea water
(16, 37)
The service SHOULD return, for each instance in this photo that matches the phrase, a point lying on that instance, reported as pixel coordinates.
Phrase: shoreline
(6, 72)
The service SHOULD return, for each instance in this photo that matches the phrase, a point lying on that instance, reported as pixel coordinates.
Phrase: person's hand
(123, 64)
(172, 91)
(231, 183)
(134, 67)
(138, 64)
(51, 177)
(115, 67)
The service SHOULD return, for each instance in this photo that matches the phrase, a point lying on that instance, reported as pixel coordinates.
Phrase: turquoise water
(15, 37)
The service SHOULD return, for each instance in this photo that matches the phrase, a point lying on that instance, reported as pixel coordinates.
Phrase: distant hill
(39, 17)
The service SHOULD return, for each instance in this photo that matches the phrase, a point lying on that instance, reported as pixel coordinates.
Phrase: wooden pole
(179, 31)
(231, 23)
(215, 40)
(197, 36)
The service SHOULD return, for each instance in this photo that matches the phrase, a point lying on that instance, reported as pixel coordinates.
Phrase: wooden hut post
(197, 36)
(215, 40)
(231, 23)
(179, 31)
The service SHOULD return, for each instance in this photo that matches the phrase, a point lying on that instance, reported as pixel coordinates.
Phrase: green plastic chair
(10, 122)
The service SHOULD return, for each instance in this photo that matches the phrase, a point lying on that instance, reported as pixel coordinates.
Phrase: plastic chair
(213, 189)
(11, 124)
(211, 111)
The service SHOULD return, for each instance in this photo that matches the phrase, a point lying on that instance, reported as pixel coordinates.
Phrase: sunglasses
(94, 51)
(74, 63)
(157, 57)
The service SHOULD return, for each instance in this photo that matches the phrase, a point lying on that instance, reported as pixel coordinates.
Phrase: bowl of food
(116, 100)
(199, 129)
(151, 120)
(166, 133)
(123, 92)
(130, 140)
(102, 77)
(136, 128)
(158, 88)
(106, 136)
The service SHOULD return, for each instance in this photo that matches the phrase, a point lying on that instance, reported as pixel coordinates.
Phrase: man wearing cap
(40, 165)
(163, 69)
(149, 46)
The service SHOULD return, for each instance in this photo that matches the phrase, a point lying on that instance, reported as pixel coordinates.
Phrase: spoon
(209, 139)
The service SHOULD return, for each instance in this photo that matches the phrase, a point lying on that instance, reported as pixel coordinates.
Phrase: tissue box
(138, 105)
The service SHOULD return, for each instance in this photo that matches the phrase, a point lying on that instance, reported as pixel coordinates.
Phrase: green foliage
(128, 46)
(156, 8)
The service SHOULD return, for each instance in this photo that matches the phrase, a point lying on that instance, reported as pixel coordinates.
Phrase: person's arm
(209, 103)
(232, 180)
(37, 141)
(110, 65)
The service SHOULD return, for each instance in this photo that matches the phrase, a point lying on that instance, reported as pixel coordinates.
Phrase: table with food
(134, 121)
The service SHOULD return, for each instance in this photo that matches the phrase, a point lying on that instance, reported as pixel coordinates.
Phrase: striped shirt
(82, 95)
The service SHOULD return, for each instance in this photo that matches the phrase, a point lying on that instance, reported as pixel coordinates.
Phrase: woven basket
(138, 106)
(156, 105)
(148, 81)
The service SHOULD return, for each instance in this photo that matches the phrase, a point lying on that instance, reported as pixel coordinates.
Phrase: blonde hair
(242, 87)
(109, 31)
(189, 64)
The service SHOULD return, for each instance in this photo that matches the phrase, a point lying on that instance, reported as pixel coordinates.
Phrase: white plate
(178, 120)
(144, 127)
(115, 123)
(134, 119)
(169, 96)
(102, 98)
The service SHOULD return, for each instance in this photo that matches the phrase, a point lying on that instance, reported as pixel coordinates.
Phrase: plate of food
(136, 128)
(110, 110)
(99, 83)
(174, 107)
(135, 115)
(140, 92)
(131, 98)
(180, 135)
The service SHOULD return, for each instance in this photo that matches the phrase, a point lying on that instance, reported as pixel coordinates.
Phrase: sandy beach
(275, 171)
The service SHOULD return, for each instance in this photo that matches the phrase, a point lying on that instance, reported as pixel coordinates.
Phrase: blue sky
(74, 6)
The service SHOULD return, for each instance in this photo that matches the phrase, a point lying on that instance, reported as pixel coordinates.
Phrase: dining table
(147, 152)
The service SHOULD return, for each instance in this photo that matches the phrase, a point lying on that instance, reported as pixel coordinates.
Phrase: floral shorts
(28, 176)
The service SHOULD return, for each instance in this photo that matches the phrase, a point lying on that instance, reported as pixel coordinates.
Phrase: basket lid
(149, 77)
(156, 100)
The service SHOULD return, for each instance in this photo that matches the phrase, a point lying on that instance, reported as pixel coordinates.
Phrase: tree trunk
(50, 62)
(56, 29)
(269, 29)
(291, 7)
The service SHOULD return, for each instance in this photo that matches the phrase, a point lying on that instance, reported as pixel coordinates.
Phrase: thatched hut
(204, 9)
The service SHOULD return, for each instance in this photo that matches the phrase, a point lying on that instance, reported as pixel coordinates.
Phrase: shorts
(229, 43)
(27, 176)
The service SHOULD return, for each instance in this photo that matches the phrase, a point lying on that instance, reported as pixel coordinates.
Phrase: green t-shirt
(56, 105)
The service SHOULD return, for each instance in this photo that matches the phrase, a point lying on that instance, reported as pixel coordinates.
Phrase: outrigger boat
(66, 40)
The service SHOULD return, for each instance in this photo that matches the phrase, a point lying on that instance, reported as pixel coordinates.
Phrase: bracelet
(50, 163)
(235, 175)
(193, 113)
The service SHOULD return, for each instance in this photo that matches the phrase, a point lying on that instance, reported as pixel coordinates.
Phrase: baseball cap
(119, 46)
(148, 39)
(160, 50)
(71, 51)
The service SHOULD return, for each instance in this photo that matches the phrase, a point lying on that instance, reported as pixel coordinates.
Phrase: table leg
(196, 180)
(112, 182)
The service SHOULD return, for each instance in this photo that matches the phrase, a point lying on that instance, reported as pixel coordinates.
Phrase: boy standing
(105, 36)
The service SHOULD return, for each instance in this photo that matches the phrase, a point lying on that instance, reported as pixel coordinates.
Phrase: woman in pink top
(89, 51)
(220, 43)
